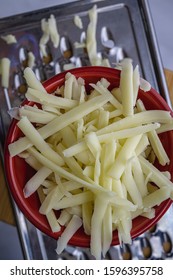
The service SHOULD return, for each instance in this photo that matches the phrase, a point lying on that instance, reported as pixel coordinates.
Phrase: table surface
(6, 210)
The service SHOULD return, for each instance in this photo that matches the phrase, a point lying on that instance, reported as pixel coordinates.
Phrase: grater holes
(47, 59)
(20, 86)
(153, 229)
(166, 242)
(45, 54)
(146, 247)
(66, 48)
(107, 38)
(40, 74)
(118, 53)
(83, 41)
(126, 252)
(110, 47)
(23, 57)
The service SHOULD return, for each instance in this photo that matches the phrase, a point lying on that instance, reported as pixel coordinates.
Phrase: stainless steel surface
(155, 53)
(122, 31)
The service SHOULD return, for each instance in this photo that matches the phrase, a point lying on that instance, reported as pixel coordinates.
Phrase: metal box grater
(127, 25)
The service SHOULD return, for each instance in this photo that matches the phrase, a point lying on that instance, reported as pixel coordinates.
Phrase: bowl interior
(18, 172)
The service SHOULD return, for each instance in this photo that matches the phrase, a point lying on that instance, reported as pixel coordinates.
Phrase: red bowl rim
(8, 163)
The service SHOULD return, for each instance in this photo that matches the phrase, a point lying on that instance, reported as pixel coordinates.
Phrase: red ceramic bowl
(18, 172)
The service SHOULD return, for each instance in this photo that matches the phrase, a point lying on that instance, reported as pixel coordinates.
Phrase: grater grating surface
(122, 30)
